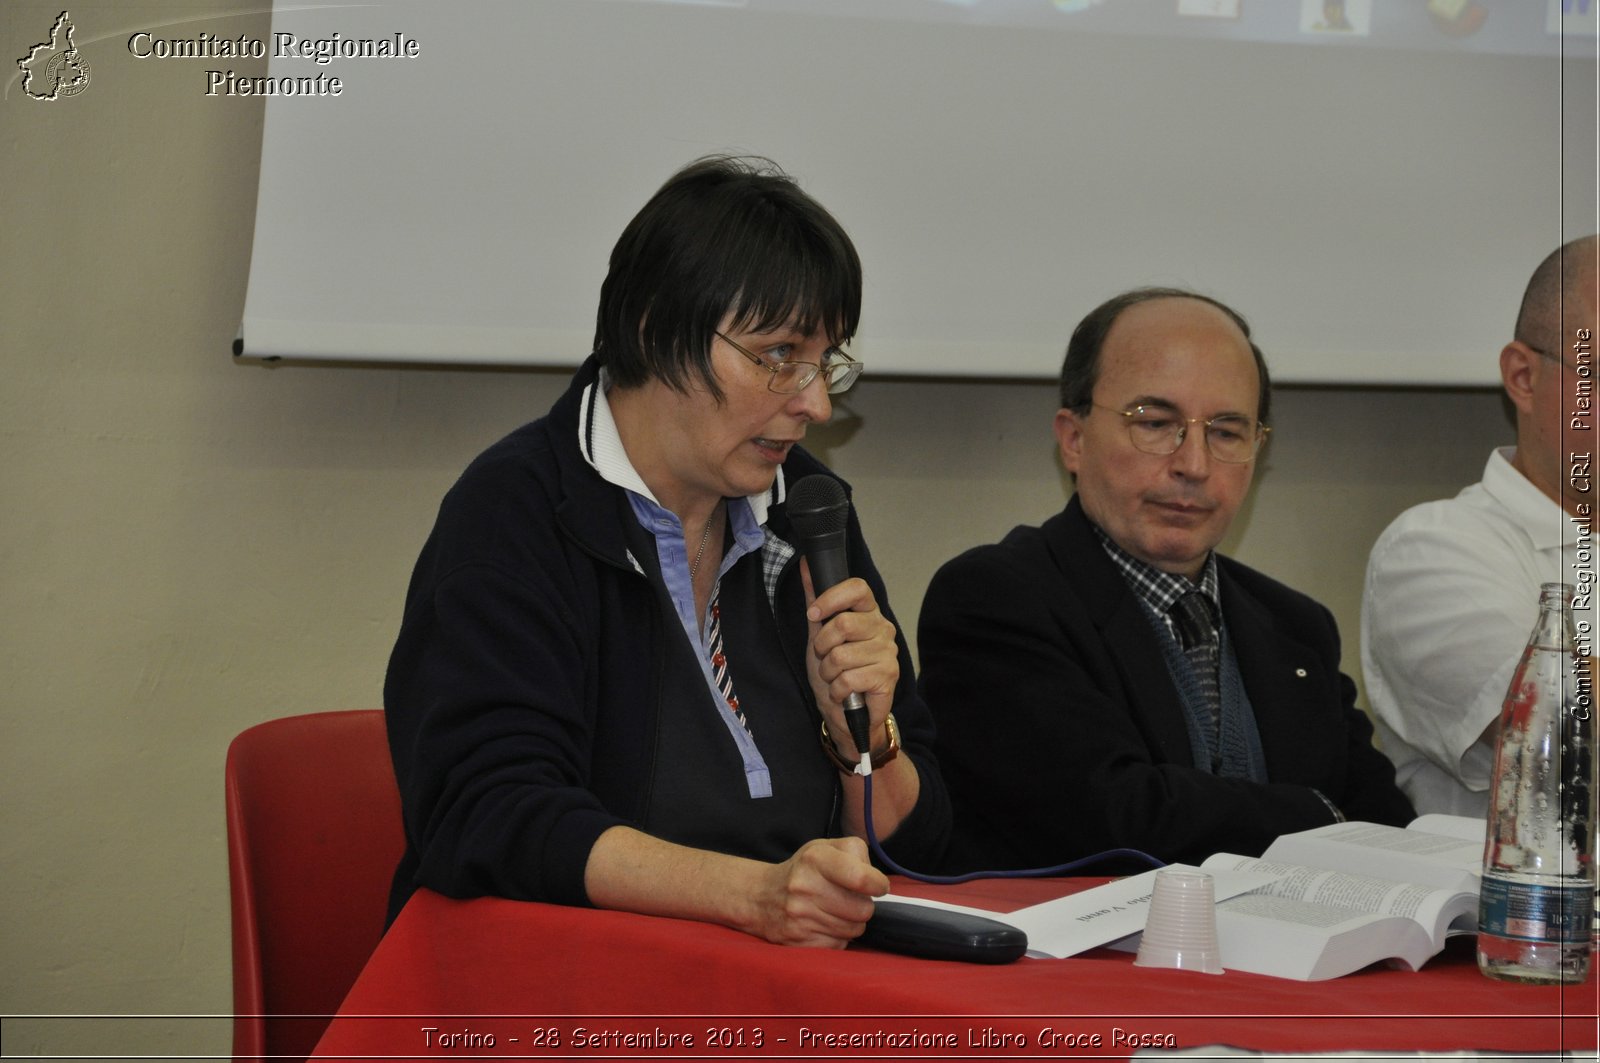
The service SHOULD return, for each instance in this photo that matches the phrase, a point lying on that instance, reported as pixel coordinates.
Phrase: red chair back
(314, 835)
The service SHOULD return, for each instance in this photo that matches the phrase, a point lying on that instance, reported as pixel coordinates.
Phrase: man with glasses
(1452, 586)
(1107, 680)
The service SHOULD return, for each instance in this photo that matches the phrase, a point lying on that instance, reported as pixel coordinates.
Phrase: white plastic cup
(1181, 929)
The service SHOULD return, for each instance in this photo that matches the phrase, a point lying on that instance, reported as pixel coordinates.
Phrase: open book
(1353, 894)
(1397, 895)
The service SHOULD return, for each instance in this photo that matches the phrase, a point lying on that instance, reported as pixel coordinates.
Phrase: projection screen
(1371, 196)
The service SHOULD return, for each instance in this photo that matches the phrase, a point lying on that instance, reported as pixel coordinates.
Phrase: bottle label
(1529, 912)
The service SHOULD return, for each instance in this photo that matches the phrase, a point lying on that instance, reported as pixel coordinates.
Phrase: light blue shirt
(601, 445)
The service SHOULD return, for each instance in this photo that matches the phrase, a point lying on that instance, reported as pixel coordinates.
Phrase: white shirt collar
(1540, 516)
(601, 445)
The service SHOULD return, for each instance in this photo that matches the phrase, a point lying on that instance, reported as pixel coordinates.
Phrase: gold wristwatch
(880, 757)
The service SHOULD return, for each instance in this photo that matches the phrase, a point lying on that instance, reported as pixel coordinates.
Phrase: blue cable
(951, 880)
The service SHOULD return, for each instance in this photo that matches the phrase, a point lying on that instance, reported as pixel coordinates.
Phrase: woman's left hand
(853, 651)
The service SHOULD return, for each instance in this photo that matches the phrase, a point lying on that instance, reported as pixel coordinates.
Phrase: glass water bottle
(1537, 897)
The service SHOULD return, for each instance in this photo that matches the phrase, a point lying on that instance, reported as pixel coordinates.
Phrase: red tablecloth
(503, 979)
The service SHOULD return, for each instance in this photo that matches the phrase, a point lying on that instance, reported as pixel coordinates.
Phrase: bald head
(1548, 373)
(1563, 287)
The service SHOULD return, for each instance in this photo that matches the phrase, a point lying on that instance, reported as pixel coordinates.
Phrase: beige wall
(191, 546)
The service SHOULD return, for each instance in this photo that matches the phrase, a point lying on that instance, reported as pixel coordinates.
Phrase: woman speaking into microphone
(614, 684)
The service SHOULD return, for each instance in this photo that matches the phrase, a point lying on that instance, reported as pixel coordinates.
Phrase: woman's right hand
(821, 896)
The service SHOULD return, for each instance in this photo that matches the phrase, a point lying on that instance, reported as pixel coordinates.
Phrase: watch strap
(880, 757)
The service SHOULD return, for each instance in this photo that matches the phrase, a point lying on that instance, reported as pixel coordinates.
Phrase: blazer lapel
(1126, 634)
(1280, 675)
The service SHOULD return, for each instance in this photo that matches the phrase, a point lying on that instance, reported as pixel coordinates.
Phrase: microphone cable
(865, 771)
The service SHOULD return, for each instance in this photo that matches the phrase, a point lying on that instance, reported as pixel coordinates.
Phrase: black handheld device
(937, 934)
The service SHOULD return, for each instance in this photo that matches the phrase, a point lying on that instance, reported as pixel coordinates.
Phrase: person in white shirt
(1452, 586)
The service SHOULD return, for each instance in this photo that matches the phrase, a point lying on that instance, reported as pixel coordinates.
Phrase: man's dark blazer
(1061, 732)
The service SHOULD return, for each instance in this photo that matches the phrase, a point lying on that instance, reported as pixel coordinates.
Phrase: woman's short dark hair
(1080, 371)
(725, 235)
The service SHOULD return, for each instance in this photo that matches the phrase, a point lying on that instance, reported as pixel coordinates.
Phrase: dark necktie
(1197, 633)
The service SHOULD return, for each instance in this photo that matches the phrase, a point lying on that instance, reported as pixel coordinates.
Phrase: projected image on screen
(1370, 196)
(1510, 27)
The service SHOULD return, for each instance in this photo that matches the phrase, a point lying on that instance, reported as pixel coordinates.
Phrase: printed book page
(1286, 938)
(1312, 924)
(1403, 854)
(1438, 911)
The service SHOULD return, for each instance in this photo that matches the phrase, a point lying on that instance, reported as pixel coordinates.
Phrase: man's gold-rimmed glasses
(1159, 430)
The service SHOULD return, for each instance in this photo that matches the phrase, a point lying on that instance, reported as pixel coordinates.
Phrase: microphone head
(817, 507)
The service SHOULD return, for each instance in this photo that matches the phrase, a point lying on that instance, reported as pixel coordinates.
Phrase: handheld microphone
(820, 514)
